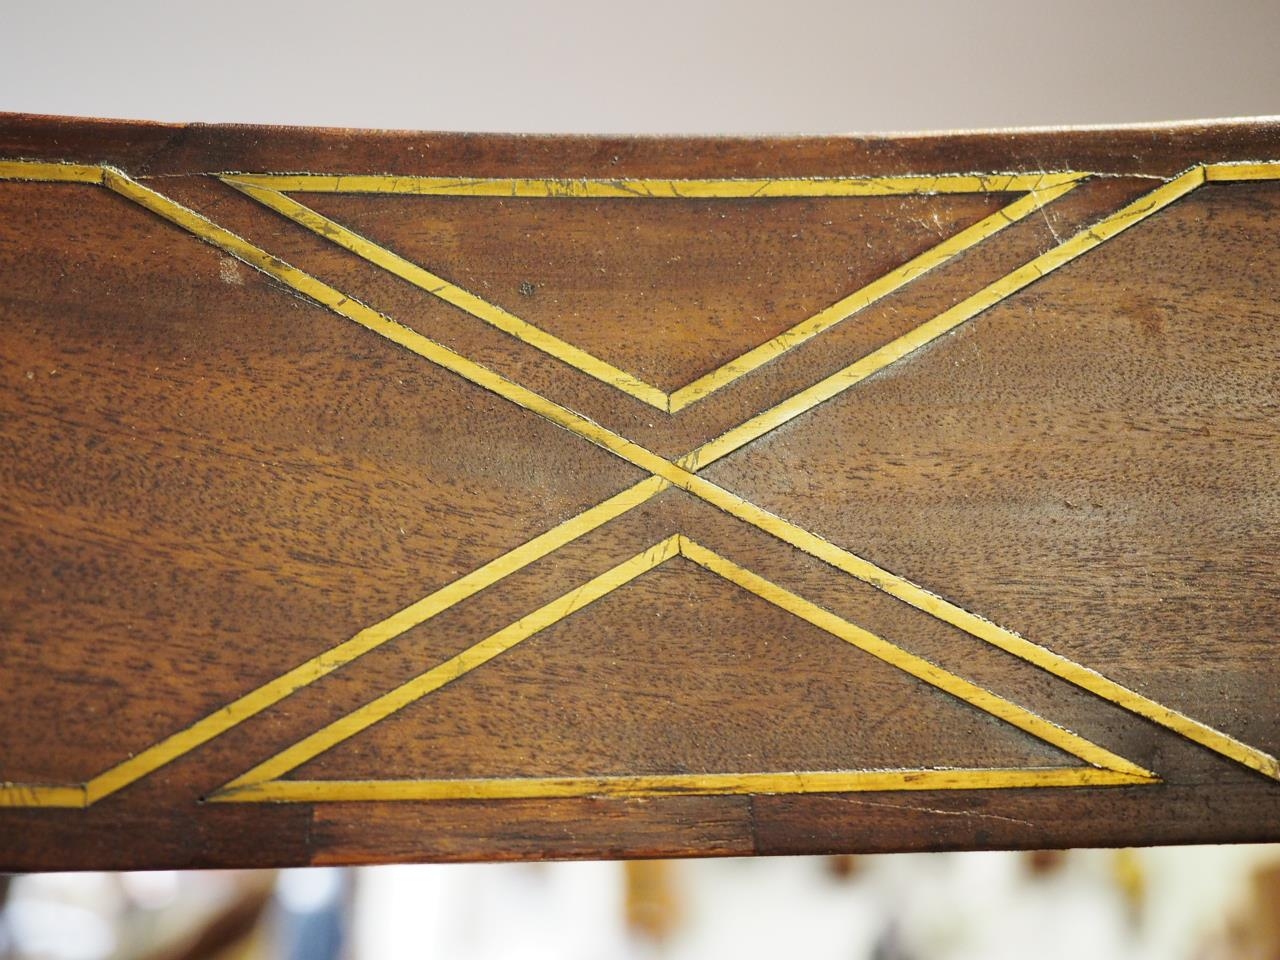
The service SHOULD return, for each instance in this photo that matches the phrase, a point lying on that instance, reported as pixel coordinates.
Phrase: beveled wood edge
(147, 148)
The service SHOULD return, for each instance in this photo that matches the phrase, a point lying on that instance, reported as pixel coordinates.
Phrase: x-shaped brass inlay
(682, 473)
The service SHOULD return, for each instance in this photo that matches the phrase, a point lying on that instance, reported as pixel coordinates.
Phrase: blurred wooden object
(233, 932)
(1043, 863)
(1251, 931)
(1266, 911)
(387, 497)
(1131, 880)
(844, 867)
(653, 902)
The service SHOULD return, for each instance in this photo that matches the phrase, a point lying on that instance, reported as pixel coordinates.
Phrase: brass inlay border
(271, 190)
(653, 188)
(264, 783)
(664, 474)
(34, 171)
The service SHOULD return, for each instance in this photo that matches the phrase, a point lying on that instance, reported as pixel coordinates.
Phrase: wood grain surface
(393, 497)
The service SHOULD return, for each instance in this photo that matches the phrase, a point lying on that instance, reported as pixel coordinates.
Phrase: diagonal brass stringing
(664, 473)
(264, 782)
(1039, 189)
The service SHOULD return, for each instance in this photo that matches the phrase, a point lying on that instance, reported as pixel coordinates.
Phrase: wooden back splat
(388, 497)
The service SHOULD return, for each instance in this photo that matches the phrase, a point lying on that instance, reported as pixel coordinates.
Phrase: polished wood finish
(520, 497)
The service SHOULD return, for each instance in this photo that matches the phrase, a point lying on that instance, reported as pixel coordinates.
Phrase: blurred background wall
(673, 66)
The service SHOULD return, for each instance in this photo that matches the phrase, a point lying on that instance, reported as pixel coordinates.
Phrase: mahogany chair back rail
(393, 496)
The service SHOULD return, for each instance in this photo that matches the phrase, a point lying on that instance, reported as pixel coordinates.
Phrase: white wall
(657, 66)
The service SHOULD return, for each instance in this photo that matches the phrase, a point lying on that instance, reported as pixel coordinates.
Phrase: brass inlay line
(459, 665)
(721, 188)
(478, 307)
(371, 637)
(269, 191)
(68, 796)
(1238, 172)
(34, 171)
(909, 663)
(945, 322)
(664, 474)
(675, 784)
(680, 475)
(263, 782)
(368, 639)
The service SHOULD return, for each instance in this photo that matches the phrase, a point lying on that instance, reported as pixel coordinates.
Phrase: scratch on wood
(933, 811)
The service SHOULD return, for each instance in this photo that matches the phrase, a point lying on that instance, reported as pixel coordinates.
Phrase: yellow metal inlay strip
(460, 665)
(255, 701)
(369, 639)
(1236, 172)
(861, 299)
(66, 796)
(909, 663)
(478, 307)
(674, 784)
(664, 473)
(396, 332)
(993, 634)
(1046, 190)
(36, 171)
(262, 783)
(680, 475)
(945, 322)
(655, 188)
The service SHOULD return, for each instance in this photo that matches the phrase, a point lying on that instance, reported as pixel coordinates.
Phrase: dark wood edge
(159, 149)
